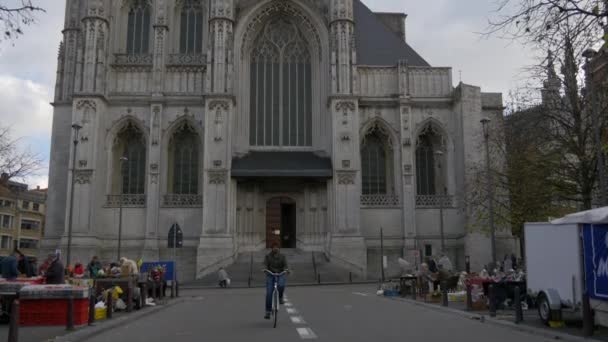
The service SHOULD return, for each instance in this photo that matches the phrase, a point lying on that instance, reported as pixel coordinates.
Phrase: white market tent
(594, 216)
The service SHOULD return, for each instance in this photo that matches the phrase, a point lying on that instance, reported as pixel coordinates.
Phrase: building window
(5, 221)
(6, 242)
(130, 153)
(376, 162)
(428, 250)
(281, 87)
(184, 149)
(25, 205)
(29, 224)
(28, 244)
(430, 174)
(191, 28)
(138, 30)
(36, 207)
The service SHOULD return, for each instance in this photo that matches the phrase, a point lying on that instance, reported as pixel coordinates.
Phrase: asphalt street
(346, 313)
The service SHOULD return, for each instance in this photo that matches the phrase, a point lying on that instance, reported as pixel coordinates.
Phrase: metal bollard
(70, 318)
(129, 298)
(109, 305)
(13, 329)
(319, 278)
(173, 289)
(92, 308)
(249, 282)
(414, 289)
(144, 294)
(469, 298)
(519, 313)
(492, 300)
(350, 277)
(176, 289)
(588, 323)
(444, 293)
(154, 293)
(162, 286)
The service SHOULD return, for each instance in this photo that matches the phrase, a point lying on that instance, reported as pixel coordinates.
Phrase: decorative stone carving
(217, 177)
(82, 163)
(407, 169)
(86, 105)
(407, 142)
(217, 163)
(133, 59)
(346, 164)
(83, 177)
(286, 9)
(215, 104)
(346, 177)
(154, 167)
(380, 200)
(182, 201)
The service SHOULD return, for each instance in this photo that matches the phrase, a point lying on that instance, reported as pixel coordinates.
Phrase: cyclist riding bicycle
(275, 262)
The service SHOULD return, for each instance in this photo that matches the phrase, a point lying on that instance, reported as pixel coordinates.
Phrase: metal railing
(380, 201)
(182, 201)
(126, 201)
(434, 201)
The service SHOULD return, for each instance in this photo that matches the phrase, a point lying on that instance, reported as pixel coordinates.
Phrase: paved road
(349, 313)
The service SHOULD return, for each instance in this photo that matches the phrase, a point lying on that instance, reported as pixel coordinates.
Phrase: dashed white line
(360, 294)
(288, 305)
(297, 320)
(306, 333)
(292, 311)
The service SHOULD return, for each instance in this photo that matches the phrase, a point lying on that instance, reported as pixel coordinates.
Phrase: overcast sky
(444, 32)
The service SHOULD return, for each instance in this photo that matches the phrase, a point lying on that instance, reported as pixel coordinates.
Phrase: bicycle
(275, 295)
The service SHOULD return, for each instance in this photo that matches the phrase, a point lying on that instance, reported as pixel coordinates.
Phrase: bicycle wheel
(275, 306)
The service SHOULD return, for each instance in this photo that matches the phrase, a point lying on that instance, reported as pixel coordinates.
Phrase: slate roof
(377, 44)
(282, 164)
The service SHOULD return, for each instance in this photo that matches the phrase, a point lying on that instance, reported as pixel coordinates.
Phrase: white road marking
(306, 334)
(360, 294)
(297, 320)
(292, 311)
(288, 305)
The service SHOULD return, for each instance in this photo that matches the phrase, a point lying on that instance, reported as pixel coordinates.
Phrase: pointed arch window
(184, 155)
(376, 162)
(191, 27)
(138, 29)
(281, 87)
(430, 161)
(130, 159)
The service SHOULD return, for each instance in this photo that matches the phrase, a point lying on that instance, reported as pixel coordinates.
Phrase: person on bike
(275, 262)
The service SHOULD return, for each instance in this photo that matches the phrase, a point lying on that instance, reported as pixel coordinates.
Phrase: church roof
(377, 44)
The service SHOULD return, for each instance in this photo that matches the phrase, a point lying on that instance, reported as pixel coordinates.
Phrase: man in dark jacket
(9, 267)
(274, 262)
(55, 272)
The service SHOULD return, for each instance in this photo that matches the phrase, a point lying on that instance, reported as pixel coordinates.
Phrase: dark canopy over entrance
(282, 164)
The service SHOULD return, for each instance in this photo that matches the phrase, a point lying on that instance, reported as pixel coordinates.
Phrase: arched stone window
(281, 87)
(430, 161)
(138, 29)
(129, 158)
(191, 27)
(184, 155)
(375, 169)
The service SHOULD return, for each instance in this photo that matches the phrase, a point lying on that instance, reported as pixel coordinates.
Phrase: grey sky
(442, 31)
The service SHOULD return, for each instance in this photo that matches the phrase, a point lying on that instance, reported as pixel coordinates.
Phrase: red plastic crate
(43, 312)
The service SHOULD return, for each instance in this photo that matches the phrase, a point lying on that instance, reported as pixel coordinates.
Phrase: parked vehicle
(564, 258)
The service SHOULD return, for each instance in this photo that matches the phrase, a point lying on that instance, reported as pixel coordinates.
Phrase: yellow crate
(100, 314)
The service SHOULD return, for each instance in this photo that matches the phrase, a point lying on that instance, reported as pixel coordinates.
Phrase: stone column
(153, 193)
(408, 156)
(95, 27)
(347, 246)
(217, 242)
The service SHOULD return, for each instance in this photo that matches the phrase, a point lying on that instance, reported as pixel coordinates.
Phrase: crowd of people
(17, 265)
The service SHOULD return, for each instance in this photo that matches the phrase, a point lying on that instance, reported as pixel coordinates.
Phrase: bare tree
(14, 161)
(541, 22)
(14, 14)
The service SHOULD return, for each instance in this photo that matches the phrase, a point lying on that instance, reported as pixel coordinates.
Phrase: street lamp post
(76, 128)
(485, 123)
(442, 197)
(121, 195)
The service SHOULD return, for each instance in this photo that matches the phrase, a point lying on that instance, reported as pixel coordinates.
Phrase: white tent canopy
(595, 216)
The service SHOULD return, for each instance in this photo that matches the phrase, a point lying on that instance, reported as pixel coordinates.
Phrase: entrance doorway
(281, 222)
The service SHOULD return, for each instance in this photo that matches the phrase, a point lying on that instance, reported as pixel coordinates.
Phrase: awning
(282, 164)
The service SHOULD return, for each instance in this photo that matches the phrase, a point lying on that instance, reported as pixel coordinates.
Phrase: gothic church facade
(308, 123)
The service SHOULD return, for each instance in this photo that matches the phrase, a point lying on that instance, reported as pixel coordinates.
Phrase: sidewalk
(59, 333)
(531, 320)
